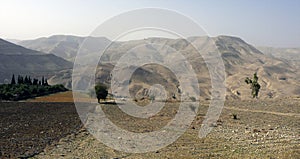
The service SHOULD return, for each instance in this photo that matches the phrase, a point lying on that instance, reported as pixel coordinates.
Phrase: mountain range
(66, 46)
(277, 69)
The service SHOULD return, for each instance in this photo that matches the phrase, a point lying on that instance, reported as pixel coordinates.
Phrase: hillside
(15, 59)
(277, 76)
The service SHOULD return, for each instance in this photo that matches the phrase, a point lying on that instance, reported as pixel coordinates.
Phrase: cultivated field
(26, 128)
(264, 129)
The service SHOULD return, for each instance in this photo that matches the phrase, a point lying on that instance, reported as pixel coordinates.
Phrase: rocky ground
(263, 129)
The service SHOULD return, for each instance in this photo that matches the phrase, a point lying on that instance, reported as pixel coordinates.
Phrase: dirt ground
(27, 128)
(263, 129)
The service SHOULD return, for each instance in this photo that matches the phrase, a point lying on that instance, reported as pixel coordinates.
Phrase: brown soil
(27, 128)
(263, 129)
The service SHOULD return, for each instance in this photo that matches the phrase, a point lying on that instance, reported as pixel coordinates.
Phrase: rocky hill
(277, 76)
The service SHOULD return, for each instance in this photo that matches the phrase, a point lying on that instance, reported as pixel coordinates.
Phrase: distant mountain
(15, 41)
(15, 59)
(66, 46)
(291, 55)
(284, 53)
(278, 77)
(8, 48)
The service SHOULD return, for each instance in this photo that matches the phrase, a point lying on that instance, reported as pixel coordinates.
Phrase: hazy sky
(259, 22)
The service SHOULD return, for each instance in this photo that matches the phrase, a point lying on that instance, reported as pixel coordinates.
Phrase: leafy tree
(13, 81)
(101, 91)
(255, 86)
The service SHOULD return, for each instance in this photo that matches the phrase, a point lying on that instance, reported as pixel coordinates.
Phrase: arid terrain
(150, 79)
(263, 129)
(26, 128)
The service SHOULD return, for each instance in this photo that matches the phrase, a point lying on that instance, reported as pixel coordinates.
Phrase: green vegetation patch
(27, 88)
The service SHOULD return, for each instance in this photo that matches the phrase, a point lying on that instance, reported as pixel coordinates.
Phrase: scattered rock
(213, 125)
(256, 130)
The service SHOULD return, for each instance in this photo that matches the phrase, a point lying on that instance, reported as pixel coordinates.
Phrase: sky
(273, 23)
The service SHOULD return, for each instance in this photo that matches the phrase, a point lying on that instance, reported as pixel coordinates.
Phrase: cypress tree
(26, 80)
(22, 80)
(35, 81)
(13, 81)
(19, 79)
(46, 82)
(29, 80)
(43, 81)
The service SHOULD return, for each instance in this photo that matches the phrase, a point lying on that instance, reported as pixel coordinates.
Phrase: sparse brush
(193, 99)
(234, 116)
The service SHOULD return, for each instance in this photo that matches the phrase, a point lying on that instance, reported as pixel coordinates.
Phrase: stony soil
(263, 129)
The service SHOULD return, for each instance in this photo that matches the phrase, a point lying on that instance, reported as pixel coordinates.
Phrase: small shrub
(234, 116)
(193, 99)
(152, 98)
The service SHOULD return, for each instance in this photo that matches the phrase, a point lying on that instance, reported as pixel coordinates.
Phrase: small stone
(213, 125)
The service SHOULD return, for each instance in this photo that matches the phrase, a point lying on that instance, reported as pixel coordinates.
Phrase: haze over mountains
(66, 46)
(15, 59)
(278, 76)
(290, 55)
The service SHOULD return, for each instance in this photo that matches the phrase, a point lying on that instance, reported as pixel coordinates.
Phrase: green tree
(26, 80)
(35, 81)
(20, 79)
(43, 81)
(46, 82)
(13, 81)
(29, 80)
(255, 86)
(101, 91)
